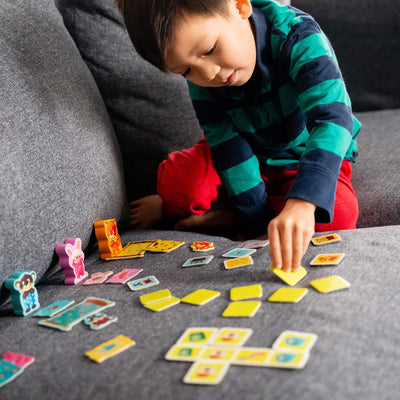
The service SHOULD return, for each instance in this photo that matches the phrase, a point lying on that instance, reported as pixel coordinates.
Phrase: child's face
(215, 51)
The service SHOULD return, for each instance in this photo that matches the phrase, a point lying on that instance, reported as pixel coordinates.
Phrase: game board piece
(155, 296)
(68, 318)
(326, 239)
(239, 252)
(8, 371)
(252, 356)
(197, 336)
(327, 259)
(242, 309)
(54, 308)
(24, 296)
(221, 354)
(108, 238)
(97, 278)
(294, 340)
(71, 259)
(99, 321)
(238, 262)
(202, 246)
(288, 295)
(165, 246)
(206, 373)
(200, 297)
(184, 353)
(162, 305)
(132, 250)
(143, 283)
(110, 348)
(18, 359)
(291, 278)
(124, 276)
(232, 337)
(330, 284)
(197, 261)
(288, 359)
(256, 244)
(246, 292)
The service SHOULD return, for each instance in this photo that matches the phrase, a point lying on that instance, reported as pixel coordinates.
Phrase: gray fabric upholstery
(366, 40)
(355, 356)
(151, 112)
(60, 163)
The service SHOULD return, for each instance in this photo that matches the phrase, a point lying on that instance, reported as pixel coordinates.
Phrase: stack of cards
(159, 301)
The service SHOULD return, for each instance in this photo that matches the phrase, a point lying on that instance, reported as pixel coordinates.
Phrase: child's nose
(209, 72)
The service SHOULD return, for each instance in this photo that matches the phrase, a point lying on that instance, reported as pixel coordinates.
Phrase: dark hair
(150, 23)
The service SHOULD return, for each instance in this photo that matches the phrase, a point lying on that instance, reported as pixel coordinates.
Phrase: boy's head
(209, 42)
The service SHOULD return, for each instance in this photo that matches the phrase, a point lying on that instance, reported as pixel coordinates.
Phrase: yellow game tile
(155, 296)
(184, 353)
(242, 309)
(288, 359)
(295, 340)
(246, 292)
(201, 297)
(291, 278)
(330, 284)
(238, 262)
(232, 337)
(218, 354)
(252, 356)
(110, 348)
(165, 246)
(163, 304)
(206, 373)
(197, 336)
(288, 295)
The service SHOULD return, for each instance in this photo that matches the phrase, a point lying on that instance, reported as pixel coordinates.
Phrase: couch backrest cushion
(60, 164)
(365, 36)
(151, 112)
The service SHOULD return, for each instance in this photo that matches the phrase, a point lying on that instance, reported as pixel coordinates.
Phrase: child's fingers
(286, 249)
(274, 246)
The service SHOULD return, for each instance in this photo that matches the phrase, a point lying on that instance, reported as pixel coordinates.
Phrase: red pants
(188, 184)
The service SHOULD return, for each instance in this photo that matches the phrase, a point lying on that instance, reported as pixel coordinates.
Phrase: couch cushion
(151, 112)
(365, 37)
(60, 163)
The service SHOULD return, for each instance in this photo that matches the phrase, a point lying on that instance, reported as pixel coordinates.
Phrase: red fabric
(188, 184)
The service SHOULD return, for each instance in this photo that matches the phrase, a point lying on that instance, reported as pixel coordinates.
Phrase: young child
(278, 124)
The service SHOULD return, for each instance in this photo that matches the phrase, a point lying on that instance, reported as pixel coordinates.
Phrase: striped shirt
(293, 113)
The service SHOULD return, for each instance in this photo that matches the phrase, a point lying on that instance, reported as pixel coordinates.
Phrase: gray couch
(84, 123)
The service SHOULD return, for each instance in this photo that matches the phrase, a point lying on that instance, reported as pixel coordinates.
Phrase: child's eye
(187, 72)
(209, 52)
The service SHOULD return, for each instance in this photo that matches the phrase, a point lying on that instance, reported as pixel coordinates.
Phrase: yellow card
(165, 246)
(242, 309)
(110, 348)
(200, 297)
(326, 239)
(294, 340)
(184, 353)
(232, 337)
(330, 284)
(206, 373)
(155, 296)
(288, 359)
(238, 262)
(162, 304)
(218, 354)
(256, 356)
(327, 259)
(246, 292)
(199, 336)
(288, 295)
(291, 278)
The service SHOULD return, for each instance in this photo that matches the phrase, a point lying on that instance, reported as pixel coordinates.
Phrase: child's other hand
(289, 234)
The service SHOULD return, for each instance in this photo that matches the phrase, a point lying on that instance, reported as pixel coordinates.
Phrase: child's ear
(244, 7)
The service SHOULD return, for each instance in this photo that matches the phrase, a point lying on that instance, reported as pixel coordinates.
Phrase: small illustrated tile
(197, 261)
(201, 297)
(246, 292)
(288, 295)
(330, 284)
(155, 296)
(288, 359)
(256, 244)
(197, 336)
(162, 305)
(242, 309)
(143, 283)
(99, 321)
(165, 246)
(202, 246)
(124, 276)
(252, 356)
(184, 353)
(222, 354)
(291, 278)
(54, 308)
(8, 371)
(239, 252)
(110, 348)
(18, 359)
(238, 262)
(206, 373)
(97, 278)
(326, 239)
(327, 259)
(294, 340)
(231, 337)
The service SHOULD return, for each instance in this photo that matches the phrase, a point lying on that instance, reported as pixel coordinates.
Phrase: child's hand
(289, 234)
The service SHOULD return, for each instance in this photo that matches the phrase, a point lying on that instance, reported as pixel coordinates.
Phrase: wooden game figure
(24, 296)
(71, 260)
(108, 238)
